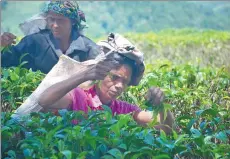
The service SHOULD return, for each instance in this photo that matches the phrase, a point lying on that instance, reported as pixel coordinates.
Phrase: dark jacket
(42, 54)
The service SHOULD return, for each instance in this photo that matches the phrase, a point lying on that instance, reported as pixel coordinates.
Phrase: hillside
(103, 17)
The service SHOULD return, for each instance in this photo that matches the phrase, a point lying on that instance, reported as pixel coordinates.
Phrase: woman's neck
(64, 44)
(64, 41)
(102, 98)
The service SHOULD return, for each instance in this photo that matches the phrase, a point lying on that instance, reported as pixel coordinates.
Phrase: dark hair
(127, 61)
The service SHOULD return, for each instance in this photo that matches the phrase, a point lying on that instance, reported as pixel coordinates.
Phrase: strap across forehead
(119, 44)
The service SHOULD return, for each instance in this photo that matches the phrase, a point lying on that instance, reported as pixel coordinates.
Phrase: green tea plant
(200, 47)
(17, 84)
(187, 87)
(197, 91)
(103, 136)
(199, 98)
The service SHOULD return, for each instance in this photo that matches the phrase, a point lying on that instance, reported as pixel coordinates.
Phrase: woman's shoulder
(93, 49)
(87, 40)
(40, 34)
(37, 35)
(37, 38)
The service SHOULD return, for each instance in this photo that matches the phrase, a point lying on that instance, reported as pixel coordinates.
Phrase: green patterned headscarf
(68, 9)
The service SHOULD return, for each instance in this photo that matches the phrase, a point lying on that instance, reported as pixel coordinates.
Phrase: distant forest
(130, 16)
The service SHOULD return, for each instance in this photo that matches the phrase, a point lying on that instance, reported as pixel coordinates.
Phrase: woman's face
(115, 83)
(59, 25)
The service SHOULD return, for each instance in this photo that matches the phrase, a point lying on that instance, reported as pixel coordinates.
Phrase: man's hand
(7, 39)
(155, 96)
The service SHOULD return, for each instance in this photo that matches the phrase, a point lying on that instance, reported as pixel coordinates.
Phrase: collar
(76, 44)
(38, 22)
(95, 97)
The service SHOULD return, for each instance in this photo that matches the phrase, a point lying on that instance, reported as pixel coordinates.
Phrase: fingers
(100, 70)
(10, 35)
(155, 96)
(101, 75)
(109, 63)
(159, 96)
(106, 66)
(103, 69)
(7, 39)
(154, 91)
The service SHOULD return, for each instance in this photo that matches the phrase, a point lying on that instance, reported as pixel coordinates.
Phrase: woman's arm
(11, 54)
(155, 96)
(169, 120)
(59, 95)
(145, 117)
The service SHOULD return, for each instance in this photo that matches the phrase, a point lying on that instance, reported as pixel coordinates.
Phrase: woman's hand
(58, 95)
(155, 96)
(99, 69)
(7, 39)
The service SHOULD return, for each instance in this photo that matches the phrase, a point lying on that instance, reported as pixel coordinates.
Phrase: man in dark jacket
(50, 34)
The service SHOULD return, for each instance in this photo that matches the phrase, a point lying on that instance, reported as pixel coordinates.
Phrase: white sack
(61, 71)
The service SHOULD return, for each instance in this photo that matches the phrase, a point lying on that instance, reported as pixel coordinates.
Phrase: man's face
(115, 82)
(59, 25)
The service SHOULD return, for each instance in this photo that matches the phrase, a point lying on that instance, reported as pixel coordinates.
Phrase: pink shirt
(82, 99)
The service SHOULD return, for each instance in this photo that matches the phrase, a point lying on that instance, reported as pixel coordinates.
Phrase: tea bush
(17, 84)
(200, 47)
(198, 95)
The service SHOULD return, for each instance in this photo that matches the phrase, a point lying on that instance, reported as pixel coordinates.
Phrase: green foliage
(145, 16)
(198, 47)
(47, 136)
(17, 84)
(200, 101)
(204, 48)
(197, 94)
(135, 16)
(186, 87)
